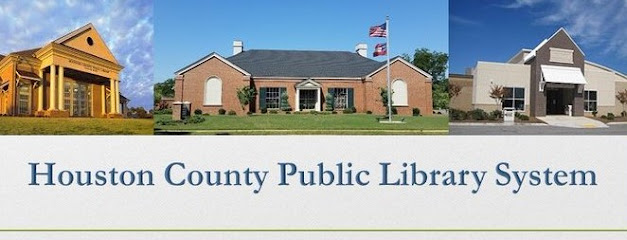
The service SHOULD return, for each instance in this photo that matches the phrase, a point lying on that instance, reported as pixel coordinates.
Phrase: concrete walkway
(572, 122)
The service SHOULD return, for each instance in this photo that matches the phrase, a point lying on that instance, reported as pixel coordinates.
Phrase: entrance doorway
(77, 98)
(307, 99)
(557, 101)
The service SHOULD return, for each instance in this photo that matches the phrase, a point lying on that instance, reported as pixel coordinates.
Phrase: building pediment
(309, 83)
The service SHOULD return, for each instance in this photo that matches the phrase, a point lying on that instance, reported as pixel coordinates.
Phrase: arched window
(213, 91)
(399, 93)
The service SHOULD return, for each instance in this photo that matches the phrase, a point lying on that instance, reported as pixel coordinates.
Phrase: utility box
(181, 110)
(569, 110)
(509, 113)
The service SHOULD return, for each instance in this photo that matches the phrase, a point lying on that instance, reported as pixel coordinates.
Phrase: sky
(185, 33)
(494, 31)
(126, 27)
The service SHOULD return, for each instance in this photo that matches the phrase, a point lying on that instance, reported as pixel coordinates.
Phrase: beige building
(552, 79)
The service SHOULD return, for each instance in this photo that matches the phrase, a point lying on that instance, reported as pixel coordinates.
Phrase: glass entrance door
(77, 99)
(307, 99)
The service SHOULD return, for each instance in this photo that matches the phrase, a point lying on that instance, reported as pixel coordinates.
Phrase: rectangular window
(514, 97)
(590, 101)
(340, 98)
(273, 98)
(24, 99)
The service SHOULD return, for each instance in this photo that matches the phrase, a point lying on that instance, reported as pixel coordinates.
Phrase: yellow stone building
(73, 76)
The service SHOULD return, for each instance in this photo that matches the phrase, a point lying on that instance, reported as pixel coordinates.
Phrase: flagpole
(387, 45)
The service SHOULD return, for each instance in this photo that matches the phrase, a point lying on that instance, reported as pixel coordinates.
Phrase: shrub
(164, 122)
(394, 111)
(333, 112)
(194, 119)
(198, 112)
(286, 109)
(368, 112)
(523, 117)
(231, 112)
(273, 111)
(491, 117)
(313, 112)
(288, 112)
(221, 111)
(610, 116)
(603, 117)
(264, 110)
(249, 113)
(415, 111)
(348, 111)
(163, 111)
(456, 114)
(328, 100)
(594, 113)
(496, 114)
(478, 114)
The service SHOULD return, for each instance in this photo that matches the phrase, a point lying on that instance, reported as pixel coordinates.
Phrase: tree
(384, 99)
(285, 104)
(435, 63)
(622, 98)
(497, 92)
(453, 90)
(163, 89)
(246, 95)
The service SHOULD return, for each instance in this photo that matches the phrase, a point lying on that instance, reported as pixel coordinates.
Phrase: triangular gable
(404, 62)
(207, 58)
(87, 39)
(532, 54)
(309, 83)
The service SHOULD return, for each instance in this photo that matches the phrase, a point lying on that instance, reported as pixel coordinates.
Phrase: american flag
(378, 31)
(381, 49)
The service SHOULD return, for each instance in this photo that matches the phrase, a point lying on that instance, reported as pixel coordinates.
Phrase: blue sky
(126, 26)
(494, 31)
(186, 32)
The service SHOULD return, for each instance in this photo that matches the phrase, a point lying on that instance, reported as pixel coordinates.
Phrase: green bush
(594, 113)
(164, 122)
(394, 111)
(231, 112)
(264, 110)
(194, 119)
(456, 114)
(198, 112)
(603, 117)
(328, 100)
(478, 114)
(491, 117)
(249, 113)
(288, 112)
(286, 109)
(496, 114)
(415, 111)
(273, 111)
(221, 111)
(314, 112)
(163, 111)
(333, 112)
(610, 116)
(368, 112)
(523, 117)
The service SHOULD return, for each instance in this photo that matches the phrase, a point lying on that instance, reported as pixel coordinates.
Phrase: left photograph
(76, 68)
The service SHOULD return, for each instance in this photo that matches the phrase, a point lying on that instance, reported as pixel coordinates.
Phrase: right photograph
(537, 67)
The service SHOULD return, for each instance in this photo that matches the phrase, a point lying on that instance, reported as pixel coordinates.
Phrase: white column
(297, 107)
(117, 96)
(53, 88)
(61, 88)
(318, 101)
(112, 94)
(102, 100)
(40, 92)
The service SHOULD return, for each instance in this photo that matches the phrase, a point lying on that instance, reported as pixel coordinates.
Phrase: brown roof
(1, 56)
(27, 74)
(27, 53)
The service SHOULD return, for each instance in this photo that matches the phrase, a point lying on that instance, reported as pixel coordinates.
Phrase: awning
(567, 75)
(27, 75)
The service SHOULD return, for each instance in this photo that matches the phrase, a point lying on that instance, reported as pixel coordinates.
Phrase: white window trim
(406, 94)
(205, 100)
(584, 99)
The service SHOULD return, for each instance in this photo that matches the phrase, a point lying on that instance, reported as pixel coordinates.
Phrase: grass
(305, 124)
(74, 126)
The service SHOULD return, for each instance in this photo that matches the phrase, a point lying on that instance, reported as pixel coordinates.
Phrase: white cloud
(126, 26)
(595, 23)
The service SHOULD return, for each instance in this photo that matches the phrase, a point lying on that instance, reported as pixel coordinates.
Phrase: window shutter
(351, 102)
(262, 98)
(281, 91)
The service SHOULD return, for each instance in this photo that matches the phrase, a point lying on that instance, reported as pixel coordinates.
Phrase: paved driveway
(535, 130)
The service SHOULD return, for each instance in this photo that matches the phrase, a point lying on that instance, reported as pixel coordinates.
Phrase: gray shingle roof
(295, 63)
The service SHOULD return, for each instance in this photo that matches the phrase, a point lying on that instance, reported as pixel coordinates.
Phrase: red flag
(380, 49)
(378, 31)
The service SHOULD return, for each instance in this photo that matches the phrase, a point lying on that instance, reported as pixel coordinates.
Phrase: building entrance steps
(572, 122)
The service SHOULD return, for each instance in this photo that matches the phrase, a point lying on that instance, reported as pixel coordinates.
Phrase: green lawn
(74, 126)
(340, 124)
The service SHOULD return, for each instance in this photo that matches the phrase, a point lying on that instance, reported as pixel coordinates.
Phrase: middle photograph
(297, 73)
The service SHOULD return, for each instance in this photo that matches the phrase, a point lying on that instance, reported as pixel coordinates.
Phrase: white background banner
(402, 212)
